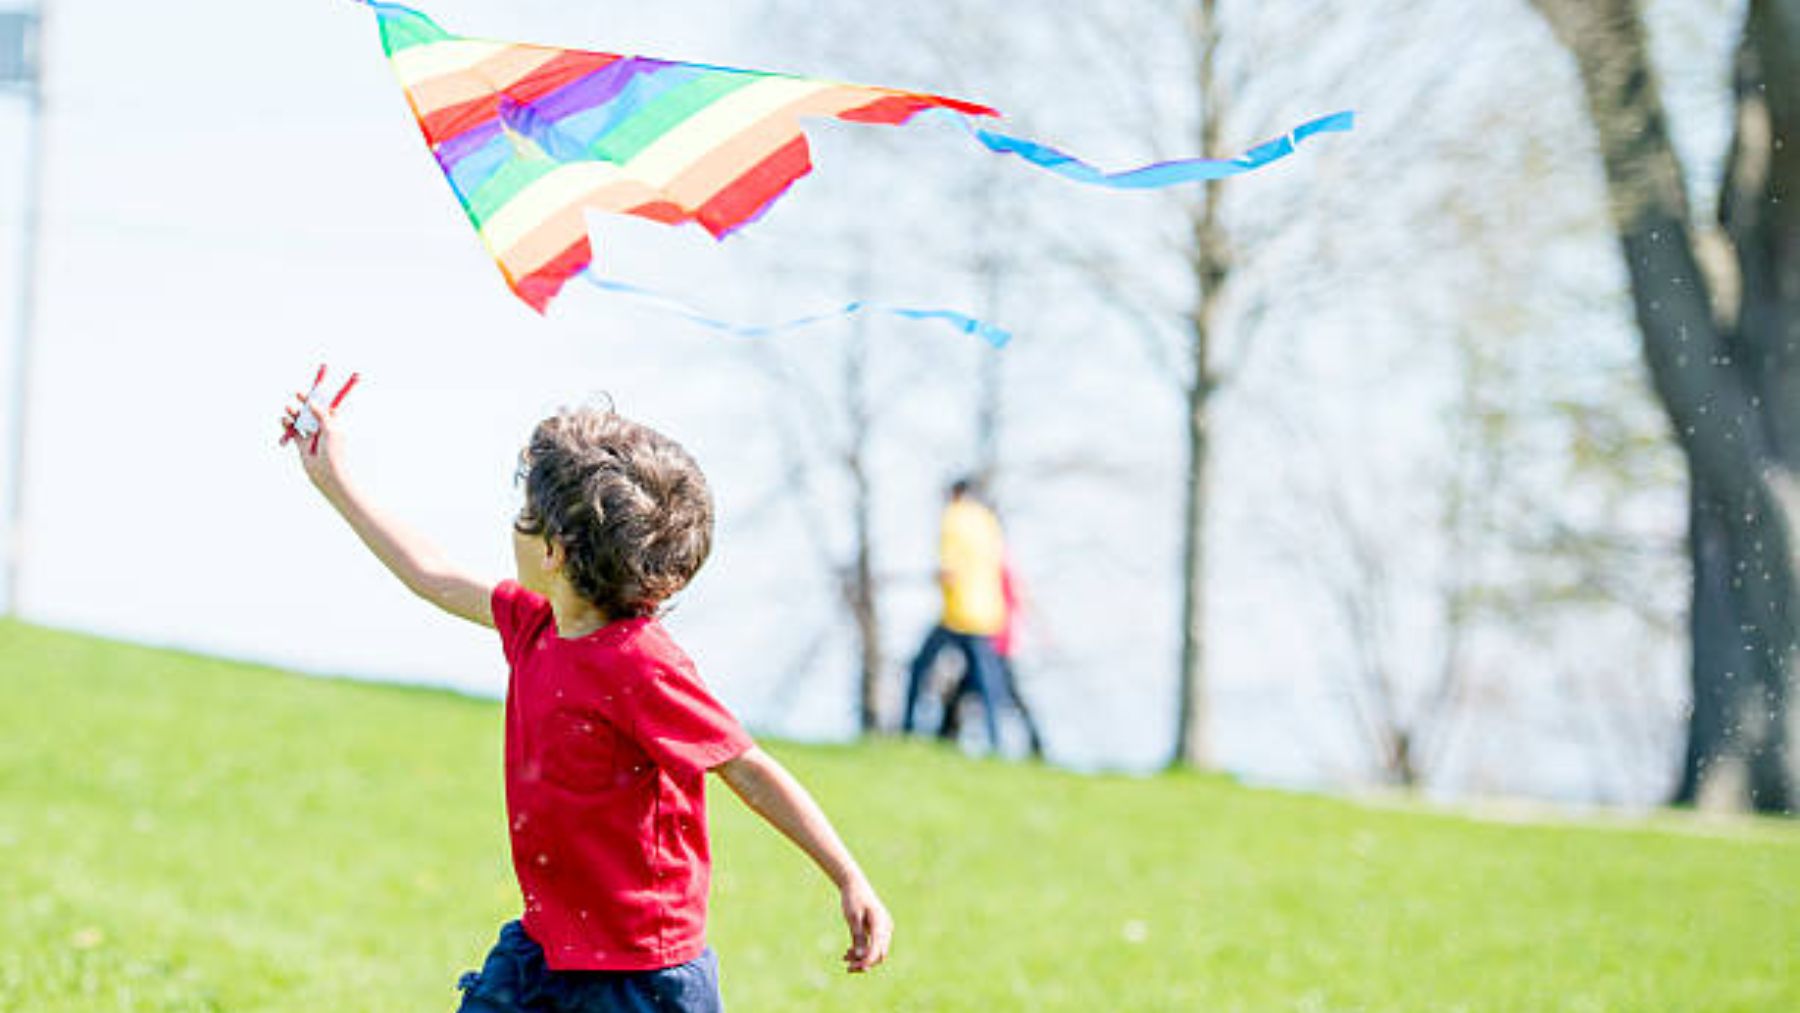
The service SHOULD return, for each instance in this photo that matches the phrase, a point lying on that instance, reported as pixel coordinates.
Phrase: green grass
(180, 833)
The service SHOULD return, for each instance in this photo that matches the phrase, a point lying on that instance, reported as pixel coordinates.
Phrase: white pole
(26, 321)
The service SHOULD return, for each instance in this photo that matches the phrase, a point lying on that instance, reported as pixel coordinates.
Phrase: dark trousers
(515, 979)
(982, 666)
(951, 725)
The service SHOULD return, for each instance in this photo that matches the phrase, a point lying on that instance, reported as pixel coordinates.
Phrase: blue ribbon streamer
(1159, 174)
(670, 304)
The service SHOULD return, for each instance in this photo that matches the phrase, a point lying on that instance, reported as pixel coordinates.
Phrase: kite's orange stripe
(496, 73)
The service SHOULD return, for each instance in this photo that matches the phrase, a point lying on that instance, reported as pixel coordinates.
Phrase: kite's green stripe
(667, 112)
(404, 31)
(503, 186)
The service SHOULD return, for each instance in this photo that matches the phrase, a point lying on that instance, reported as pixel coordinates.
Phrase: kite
(531, 138)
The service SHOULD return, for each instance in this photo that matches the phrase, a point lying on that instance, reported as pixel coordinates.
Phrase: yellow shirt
(970, 550)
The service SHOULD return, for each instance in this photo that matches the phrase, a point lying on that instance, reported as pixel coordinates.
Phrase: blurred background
(1366, 456)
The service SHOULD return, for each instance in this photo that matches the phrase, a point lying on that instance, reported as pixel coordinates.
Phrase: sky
(229, 203)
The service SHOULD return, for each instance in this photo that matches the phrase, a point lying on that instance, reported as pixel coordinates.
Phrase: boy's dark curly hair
(628, 505)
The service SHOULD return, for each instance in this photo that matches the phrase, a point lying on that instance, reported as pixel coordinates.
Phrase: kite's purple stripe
(573, 137)
(467, 143)
(598, 88)
(566, 121)
(577, 125)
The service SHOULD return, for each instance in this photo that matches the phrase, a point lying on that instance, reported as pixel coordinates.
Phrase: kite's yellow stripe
(544, 197)
(495, 74)
(676, 151)
(419, 64)
(751, 144)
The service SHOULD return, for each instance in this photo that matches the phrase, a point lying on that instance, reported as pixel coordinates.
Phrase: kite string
(994, 336)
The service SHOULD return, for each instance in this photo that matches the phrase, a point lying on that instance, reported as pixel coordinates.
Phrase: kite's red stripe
(541, 285)
(453, 121)
(744, 199)
(896, 109)
(568, 66)
(571, 65)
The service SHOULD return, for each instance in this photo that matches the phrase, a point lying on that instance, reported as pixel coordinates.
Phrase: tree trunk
(868, 617)
(860, 591)
(1722, 379)
(1718, 644)
(1211, 268)
(1191, 747)
(1764, 226)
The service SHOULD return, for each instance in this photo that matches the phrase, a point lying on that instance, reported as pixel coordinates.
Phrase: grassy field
(179, 833)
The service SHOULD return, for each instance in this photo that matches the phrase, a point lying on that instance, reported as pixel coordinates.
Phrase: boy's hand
(321, 454)
(767, 787)
(871, 927)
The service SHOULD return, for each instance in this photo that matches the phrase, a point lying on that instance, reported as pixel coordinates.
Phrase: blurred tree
(1183, 340)
(857, 584)
(1721, 335)
(1212, 267)
(827, 435)
(1204, 245)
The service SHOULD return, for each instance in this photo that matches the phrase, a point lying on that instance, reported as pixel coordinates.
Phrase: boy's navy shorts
(514, 977)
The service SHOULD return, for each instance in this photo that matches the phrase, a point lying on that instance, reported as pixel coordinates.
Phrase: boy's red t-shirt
(608, 741)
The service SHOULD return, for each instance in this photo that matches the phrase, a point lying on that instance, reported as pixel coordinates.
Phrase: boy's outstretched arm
(419, 564)
(768, 788)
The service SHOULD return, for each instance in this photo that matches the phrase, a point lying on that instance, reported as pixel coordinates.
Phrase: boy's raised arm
(420, 565)
(777, 797)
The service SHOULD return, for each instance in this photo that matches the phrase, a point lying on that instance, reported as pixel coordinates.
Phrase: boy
(609, 731)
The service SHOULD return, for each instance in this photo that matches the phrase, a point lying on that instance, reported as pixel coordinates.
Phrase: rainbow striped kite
(532, 137)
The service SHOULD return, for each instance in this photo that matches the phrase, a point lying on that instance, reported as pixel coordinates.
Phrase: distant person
(970, 553)
(609, 730)
(1006, 645)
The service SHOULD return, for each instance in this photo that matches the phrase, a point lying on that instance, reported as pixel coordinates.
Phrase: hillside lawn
(184, 833)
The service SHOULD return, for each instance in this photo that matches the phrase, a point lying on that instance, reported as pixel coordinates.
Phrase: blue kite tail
(1160, 174)
(670, 304)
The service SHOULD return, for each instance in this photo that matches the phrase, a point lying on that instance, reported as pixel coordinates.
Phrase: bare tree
(1212, 267)
(1194, 359)
(828, 435)
(857, 581)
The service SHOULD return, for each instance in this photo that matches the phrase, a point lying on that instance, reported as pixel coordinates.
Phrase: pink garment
(1006, 640)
